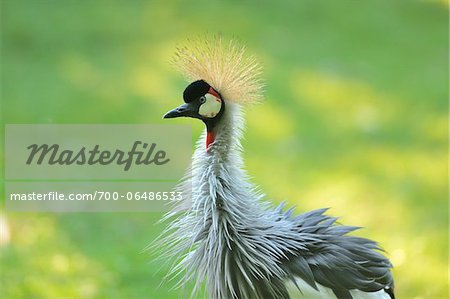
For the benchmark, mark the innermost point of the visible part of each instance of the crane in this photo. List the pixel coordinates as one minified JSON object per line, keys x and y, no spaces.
{"x":224,"y":235}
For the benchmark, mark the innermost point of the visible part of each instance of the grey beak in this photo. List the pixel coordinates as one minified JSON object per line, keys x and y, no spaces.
{"x":185,"y":110}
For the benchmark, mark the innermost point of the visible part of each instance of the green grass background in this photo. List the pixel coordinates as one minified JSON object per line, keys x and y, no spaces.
{"x":355,"y":118}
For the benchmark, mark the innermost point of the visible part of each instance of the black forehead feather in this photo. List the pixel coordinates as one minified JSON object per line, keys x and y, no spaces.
{"x":195,"y":90}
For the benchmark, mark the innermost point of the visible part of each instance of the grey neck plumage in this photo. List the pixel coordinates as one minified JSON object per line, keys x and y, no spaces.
{"x":218,"y":223}
{"x":219,"y":180}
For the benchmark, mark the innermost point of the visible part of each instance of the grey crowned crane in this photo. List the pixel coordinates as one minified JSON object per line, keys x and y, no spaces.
{"x":224,"y":235}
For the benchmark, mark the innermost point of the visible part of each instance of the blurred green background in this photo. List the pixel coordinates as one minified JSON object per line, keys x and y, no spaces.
{"x":355,"y":118}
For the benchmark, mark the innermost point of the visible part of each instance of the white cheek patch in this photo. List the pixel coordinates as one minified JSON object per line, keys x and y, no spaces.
{"x":211,"y":107}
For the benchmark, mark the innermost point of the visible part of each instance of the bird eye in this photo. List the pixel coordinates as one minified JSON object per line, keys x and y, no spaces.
{"x":202,"y":100}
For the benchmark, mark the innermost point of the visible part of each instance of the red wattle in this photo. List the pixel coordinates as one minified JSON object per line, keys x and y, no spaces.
{"x":210,"y":136}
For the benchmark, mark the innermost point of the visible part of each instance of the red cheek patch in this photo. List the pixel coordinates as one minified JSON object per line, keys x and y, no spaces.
{"x":213,"y":92}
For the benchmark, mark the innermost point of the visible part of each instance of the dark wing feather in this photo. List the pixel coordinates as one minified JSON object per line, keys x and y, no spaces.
{"x":332,"y":258}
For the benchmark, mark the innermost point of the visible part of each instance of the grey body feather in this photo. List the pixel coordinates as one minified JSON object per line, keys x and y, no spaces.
{"x":224,"y":235}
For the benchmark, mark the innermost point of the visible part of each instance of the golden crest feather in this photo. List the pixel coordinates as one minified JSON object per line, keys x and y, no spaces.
{"x":224,"y":65}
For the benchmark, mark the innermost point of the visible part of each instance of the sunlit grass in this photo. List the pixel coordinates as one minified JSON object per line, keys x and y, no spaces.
{"x":355,"y":119}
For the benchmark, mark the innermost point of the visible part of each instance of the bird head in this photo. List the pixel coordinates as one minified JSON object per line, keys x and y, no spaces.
{"x":202,"y":101}
{"x":218,"y":70}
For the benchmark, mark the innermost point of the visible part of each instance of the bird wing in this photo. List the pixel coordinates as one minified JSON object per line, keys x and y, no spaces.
{"x":333,"y":259}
